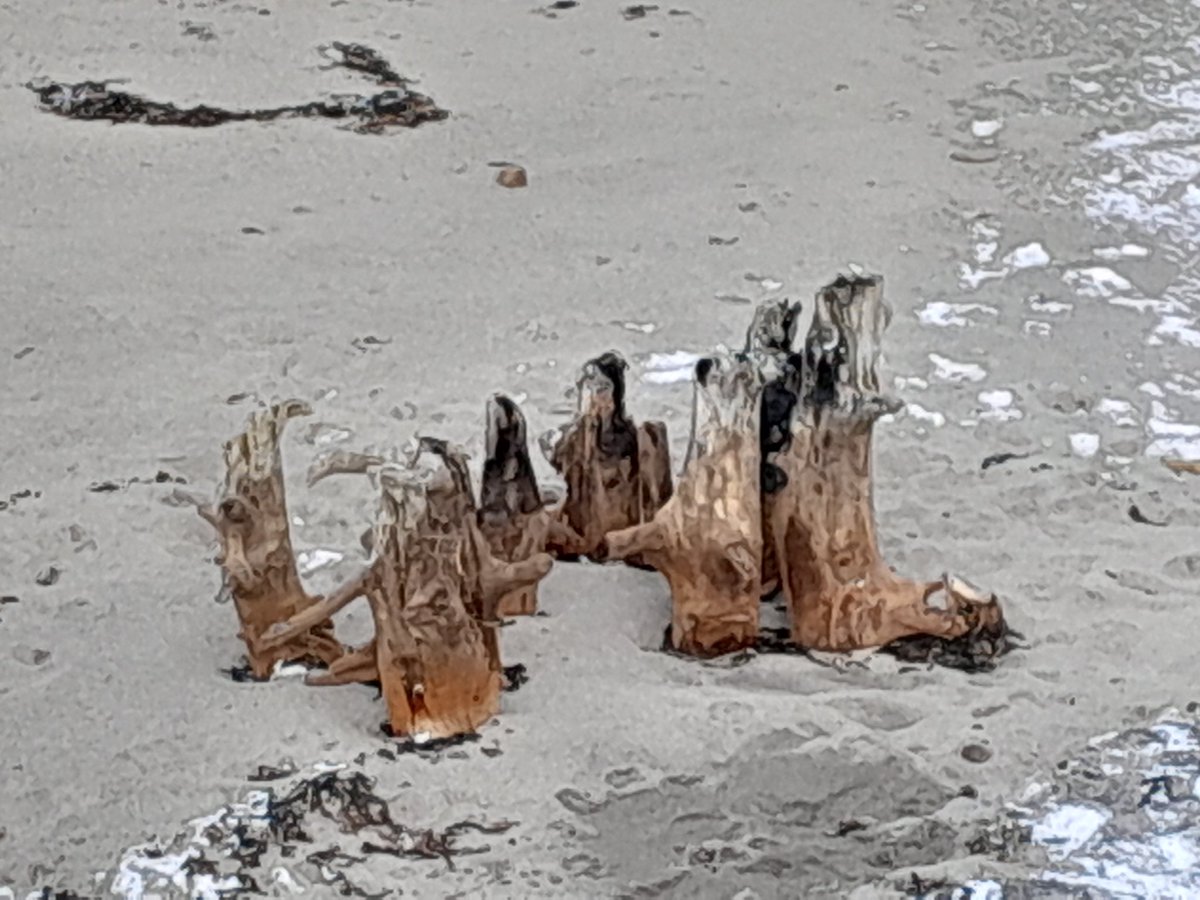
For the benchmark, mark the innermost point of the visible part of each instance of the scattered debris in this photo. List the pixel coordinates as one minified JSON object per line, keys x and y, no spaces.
{"x":30,"y":656}
{"x":638,"y":11}
{"x":9,"y":598}
{"x":23,"y":352}
{"x":272,"y":773}
{"x":512,"y":177}
{"x":999,"y":459}
{"x":47,"y":576}
{"x":977,"y":157}
{"x":160,"y":477}
{"x":718,"y":241}
{"x":15,"y":498}
{"x":514,"y":677}
{"x":368,"y":341}
{"x":1138,"y":516}
{"x":198,"y":30}
{"x":550,"y":11}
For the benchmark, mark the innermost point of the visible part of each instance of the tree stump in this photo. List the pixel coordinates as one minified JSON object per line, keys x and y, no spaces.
{"x":434,"y":589}
{"x":707,"y":539}
{"x":512,"y":515}
{"x":769,"y":342}
{"x":259,"y":567}
{"x":820,"y":518}
{"x":615,"y":471}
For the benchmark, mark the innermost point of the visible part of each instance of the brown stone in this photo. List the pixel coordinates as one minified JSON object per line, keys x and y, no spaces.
{"x":512,"y":177}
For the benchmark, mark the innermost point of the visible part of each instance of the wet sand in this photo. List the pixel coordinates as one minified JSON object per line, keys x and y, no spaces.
{"x":1025,"y":187}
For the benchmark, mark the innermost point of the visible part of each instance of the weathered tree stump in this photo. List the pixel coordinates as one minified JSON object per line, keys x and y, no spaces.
{"x":615,"y":471}
{"x":512,"y":515}
{"x":707,"y":539}
{"x":769,"y":342}
{"x":434,"y":589}
{"x":820,"y":518}
{"x":251,"y":520}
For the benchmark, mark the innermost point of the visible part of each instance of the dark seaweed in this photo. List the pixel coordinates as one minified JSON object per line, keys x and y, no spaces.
{"x":394,"y":106}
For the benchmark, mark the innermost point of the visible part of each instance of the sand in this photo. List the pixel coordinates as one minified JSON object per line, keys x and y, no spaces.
{"x":906,"y":139}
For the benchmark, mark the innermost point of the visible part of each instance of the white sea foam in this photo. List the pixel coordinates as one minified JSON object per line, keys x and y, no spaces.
{"x":1085,"y":444}
{"x":1068,"y":828}
{"x":998,"y":406}
{"x":942,"y":314}
{"x":1096,"y":281}
{"x":1121,"y":412}
{"x":948,"y":370}
{"x":670,"y":368}
{"x":917,"y":411}
{"x":1034,"y":328}
{"x":1028,"y":256}
{"x":986,"y":128}
{"x":311,"y":560}
{"x":1040,"y":304}
{"x":1125,"y":251}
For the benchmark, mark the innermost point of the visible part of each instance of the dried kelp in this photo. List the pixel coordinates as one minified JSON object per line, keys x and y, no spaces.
{"x":394,"y":106}
{"x":249,"y":846}
{"x":979,"y":650}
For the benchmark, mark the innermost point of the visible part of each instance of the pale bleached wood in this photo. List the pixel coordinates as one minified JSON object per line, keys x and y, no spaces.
{"x":259,"y":566}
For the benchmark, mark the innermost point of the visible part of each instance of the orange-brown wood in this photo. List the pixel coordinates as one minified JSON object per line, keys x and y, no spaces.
{"x":259,"y":567}
{"x":434,"y":589}
{"x":617,"y":473}
{"x":707,"y":539}
{"x":820,"y":518}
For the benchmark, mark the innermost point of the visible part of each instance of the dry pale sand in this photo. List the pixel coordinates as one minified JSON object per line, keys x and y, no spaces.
{"x":818,"y":134}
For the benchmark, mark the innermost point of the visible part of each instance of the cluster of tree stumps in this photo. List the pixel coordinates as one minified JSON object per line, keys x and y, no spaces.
{"x":775,"y":497}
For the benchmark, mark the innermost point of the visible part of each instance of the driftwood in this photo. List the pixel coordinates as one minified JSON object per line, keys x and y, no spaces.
{"x":617,"y":473}
{"x":707,"y":539}
{"x":251,"y":520}
{"x":769,"y":341}
{"x":434,"y":589}
{"x":512,"y":515}
{"x":840,"y":593}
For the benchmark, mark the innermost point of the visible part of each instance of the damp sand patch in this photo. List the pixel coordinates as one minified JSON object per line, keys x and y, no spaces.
{"x":395,"y":106}
{"x":1120,"y":819}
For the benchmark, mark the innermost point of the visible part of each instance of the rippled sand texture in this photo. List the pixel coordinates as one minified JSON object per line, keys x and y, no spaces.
{"x":1021,"y":173}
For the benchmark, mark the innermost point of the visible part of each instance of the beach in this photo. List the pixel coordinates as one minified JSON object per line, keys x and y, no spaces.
{"x":1021,"y":175}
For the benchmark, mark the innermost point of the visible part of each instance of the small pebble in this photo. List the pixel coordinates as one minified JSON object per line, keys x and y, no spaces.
{"x":47,"y":576}
{"x":976,"y":753}
{"x":512,"y":177}
{"x":30,"y":656}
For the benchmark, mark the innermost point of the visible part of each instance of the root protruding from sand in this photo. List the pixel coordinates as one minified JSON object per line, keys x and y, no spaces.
{"x":512,"y":515}
{"x":707,"y":539}
{"x":435,"y":590}
{"x":259,"y":567}
{"x":840,"y":593}
{"x":618,"y":474}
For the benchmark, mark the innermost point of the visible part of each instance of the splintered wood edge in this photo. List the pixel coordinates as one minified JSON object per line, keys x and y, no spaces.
{"x":852,"y":310}
{"x":255,"y":452}
{"x":402,"y":502}
{"x":773,"y":327}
